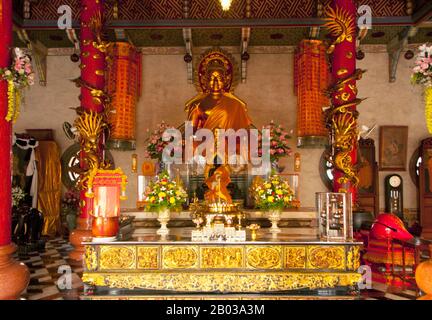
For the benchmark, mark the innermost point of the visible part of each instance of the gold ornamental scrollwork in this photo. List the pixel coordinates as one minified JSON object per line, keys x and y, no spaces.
{"x":176,"y":257}
{"x":222,"y":281}
{"x":264,"y":257}
{"x":295,"y":257}
{"x":353,"y":258}
{"x":90,"y":258}
{"x":221,"y":257}
{"x":147,"y":257}
{"x":117,"y":257}
{"x":326,"y":257}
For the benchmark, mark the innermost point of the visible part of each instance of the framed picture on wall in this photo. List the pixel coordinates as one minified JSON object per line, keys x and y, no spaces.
{"x":393,"y":145}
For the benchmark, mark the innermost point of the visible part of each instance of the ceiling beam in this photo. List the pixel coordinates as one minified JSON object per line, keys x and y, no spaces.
{"x":315,"y":30}
{"x":187,"y":38}
{"x":244,"y":43}
{"x":207,"y":23}
{"x":423,"y":14}
{"x":395,"y":47}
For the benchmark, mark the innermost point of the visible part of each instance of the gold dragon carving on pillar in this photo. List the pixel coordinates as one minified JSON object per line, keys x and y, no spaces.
{"x":341,"y":119}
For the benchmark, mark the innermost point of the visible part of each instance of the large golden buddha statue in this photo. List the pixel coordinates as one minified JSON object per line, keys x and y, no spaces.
{"x":216,"y":107}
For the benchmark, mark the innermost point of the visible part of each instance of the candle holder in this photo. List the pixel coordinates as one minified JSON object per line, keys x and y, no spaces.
{"x":105,"y":190}
{"x":254,"y":228}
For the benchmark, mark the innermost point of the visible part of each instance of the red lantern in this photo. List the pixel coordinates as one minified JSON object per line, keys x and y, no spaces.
{"x":106,"y":188}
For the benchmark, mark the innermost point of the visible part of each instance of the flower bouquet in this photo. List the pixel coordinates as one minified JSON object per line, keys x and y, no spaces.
{"x":279,"y":147}
{"x":155,"y":144}
{"x":162,"y":196}
{"x":422,"y":74}
{"x":19,"y":76}
{"x":18,"y":194}
{"x":273,"y":195}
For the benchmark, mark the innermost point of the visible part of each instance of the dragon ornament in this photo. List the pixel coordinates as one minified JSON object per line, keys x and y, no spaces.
{"x":341,"y":25}
{"x":341,"y":117}
{"x":90,"y":126}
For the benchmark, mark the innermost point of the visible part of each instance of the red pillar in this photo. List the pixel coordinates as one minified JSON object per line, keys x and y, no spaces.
{"x":92,"y":77}
{"x":14,"y":276}
{"x":345,"y":93}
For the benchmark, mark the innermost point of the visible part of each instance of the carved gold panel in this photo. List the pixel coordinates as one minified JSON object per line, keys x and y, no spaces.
{"x":179,"y":257}
{"x":117,"y":257}
{"x":295,"y":257}
{"x":90,"y":258}
{"x":326,"y":257}
{"x":147,"y":257}
{"x":264,"y":257}
{"x":222,"y":281}
{"x":221,"y":257}
{"x":353,"y":258}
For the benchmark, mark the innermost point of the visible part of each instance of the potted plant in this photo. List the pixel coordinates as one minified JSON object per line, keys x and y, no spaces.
{"x":273,"y":195}
{"x":69,"y":208}
{"x":162,"y":196}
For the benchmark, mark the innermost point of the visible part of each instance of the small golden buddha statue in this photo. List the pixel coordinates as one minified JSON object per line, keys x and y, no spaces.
{"x":217,"y":180}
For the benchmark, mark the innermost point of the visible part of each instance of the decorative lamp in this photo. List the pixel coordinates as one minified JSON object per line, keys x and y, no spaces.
{"x":124,"y":88}
{"x":106,"y":188}
{"x":311,"y":79}
{"x":334,"y":216}
{"x":226,"y":4}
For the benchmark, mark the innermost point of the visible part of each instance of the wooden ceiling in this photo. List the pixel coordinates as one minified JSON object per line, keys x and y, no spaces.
{"x":272,"y":22}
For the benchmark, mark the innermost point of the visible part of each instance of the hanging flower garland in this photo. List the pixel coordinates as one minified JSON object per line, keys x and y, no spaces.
{"x":18,"y":76}
{"x":422,"y":74}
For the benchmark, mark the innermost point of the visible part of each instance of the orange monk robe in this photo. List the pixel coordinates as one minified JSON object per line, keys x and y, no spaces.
{"x":217,"y":184}
{"x":229,"y":112}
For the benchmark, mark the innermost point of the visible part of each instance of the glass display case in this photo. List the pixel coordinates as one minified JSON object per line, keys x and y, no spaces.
{"x":334,"y":216}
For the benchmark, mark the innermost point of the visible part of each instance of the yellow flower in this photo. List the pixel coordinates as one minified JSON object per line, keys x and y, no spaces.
{"x":278,"y":191}
{"x":270,"y":198}
{"x":286,"y":199}
{"x":260,"y":192}
{"x":172,"y":200}
{"x":268,"y":185}
{"x":152,"y":199}
{"x":275,"y":182}
{"x":161,"y":194}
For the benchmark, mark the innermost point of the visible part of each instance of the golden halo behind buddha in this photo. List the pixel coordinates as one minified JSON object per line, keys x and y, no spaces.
{"x":216,"y":59}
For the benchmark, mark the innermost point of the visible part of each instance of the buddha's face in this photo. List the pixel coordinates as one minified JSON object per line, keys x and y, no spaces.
{"x":216,"y":81}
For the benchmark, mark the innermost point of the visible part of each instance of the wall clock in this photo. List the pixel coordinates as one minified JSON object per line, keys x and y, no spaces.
{"x":393,"y":195}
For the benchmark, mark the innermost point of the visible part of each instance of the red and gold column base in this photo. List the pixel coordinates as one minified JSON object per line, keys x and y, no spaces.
{"x":14,"y":275}
{"x":83,"y":232}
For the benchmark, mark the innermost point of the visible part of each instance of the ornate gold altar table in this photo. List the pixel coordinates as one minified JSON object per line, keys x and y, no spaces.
{"x":178,"y":266}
